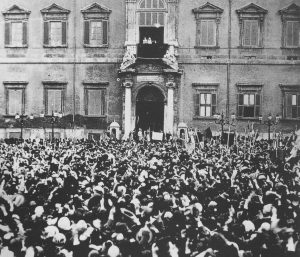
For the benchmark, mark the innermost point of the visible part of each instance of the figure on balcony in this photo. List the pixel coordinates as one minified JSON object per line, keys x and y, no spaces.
{"x":128,"y":59}
{"x":170,"y":59}
{"x":149,"y":41}
{"x":145,"y":41}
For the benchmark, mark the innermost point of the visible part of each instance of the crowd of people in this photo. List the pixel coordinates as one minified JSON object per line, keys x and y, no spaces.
{"x":112,"y":198}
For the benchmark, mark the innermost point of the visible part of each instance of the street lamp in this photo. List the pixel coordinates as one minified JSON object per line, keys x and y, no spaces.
{"x":21,"y":118}
{"x":270,"y":121}
{"x":55,"y":116}
{"x":223,"y":120}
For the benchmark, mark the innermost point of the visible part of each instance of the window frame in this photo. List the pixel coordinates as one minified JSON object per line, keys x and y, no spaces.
{"x":290,"y":89}
{"x":95,"y":13}
{"x":207,"y":12}
{"x":14,"y":85}
{"x":12,"y":15}
{"x":251,"y":12}
{"x":54,"y":85}
{"x":253,"y":88}
{"x":289,"y":14}
{"x":55,"y":13}
{"x":101,"y":85}
{"x":204,"y":88}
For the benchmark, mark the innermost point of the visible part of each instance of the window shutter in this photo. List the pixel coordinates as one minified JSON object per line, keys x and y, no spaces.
{"x":64,"y":33}
{"x":254,"y":33}
{"x":103,"y":102}
{"x":24,"y":33}
{"x":240,"y":104}
{"x":288,"y":105}
{"x":86,"y":39}
{"x":296,"y":33}
{"x":204,"y":36}
{"x":105,"y":32}
{"x":289,"y":33}
{"x":7,"y":33}
{"x":196,"y":104}
{"x":46,"y":33}
{"x":247,"y":33}
{"x":210,"y":33}
{"x":257,"y":104}
{"x":213,"y":103}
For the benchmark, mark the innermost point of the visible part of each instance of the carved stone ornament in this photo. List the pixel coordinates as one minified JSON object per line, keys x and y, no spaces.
{"x":170,"y":59}
{"x":128,"y":59}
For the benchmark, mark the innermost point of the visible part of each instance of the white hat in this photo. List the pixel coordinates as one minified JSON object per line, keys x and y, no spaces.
{"x":264,"y":227}
{"x":39,"y":211}
{"x":51,"y":231}
{"x":113,"y":251}
{"x":249,"y":226}
{"x":64,"y":223}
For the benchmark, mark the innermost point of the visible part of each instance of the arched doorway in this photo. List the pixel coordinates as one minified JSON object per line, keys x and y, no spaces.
{"x":150,"y":109}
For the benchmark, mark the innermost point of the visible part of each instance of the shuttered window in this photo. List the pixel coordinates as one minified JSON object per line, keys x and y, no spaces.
{"x":95,"y":32}
{"x":292,"y":33}
{"x":250,"y":33}
{"x":15,"y":101}
{"x":16,"y":34}
{"x":207,"y":33}
{"x":249,"y":104}
{"x":205,"y":104}
{"x":55,"y":33}
{"x":54,"y":100}
{"x":95,"y":102}
{"x":292,"y":105}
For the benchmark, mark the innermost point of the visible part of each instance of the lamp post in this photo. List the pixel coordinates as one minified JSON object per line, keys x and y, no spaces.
{"x":223,"y":120}
{"x":21,"y":118}
{"x":270,"y":121}
{"x":55,"y":116}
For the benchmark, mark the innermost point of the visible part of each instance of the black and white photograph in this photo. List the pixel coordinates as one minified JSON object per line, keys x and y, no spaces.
{"x":149,"y":128}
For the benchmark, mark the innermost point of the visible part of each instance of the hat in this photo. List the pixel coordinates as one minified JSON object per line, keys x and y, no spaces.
{"x":144,"y":235}
{"x":50,"y":231}
{"x":81,"y":226}
{"x":64,"y":223}
{"x":59,"y":239}
{"x":249,"y":226}
{"x":113,"y":251}
{"x":19,"y":200}
{"x":264,"y":227}
{"x":39,"y":211}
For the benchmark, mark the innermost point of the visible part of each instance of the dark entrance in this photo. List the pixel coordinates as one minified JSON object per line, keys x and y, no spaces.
{"x":150,"y":109}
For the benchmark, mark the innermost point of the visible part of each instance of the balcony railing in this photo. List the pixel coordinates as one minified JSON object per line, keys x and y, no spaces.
{"x":151,"y":50}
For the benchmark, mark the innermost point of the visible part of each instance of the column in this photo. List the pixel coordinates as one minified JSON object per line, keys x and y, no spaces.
{"x":127,"y":111}
{"x":170,"y":107}
{"x":165,"y":117}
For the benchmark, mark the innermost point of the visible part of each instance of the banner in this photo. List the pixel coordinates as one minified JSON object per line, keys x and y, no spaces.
{"x":157,"y":136}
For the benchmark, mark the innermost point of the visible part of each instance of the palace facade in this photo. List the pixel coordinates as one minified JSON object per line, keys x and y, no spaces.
{"x":77,"y":66}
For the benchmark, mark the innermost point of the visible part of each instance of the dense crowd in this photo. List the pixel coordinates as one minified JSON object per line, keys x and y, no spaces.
{"x":133,"y":199}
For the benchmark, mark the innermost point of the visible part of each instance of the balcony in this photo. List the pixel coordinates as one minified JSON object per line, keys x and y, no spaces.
{"x":151,"y":51}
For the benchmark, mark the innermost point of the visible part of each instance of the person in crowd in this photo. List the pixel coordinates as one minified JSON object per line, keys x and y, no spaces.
{"x":112,"y":198}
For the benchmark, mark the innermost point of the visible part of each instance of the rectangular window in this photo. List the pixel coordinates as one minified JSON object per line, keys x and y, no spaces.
{"x":54,"y":100}
{"x":250,"y":33}
{"x":95,"y":32}
{"x":95,"y":102}
{"x":249,"y":104}
{"x":205,"y":104}
{"x":55,"y":33}
{"x":15,"y":101}
{"x":151,"y":18}
{"x":292,"y":33}
{"x":207,"y":33}
{"x":292,"y":105}
{"x":16,"y":34}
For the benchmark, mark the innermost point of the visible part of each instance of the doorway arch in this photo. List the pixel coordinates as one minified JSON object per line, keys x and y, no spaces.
{"x":150,"y":109}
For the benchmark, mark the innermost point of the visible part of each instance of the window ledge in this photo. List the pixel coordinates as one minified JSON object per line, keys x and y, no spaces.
{"x":250,"y":47}
{"x":247,"y":118}
{"x":207,"y":47}
{"x":290,"y":47}
{"x":98,"y":46}
{"x":95,"y":116}
{"x":203,"y":118}
{"x":12,"y":46}
{"x":49,"y":46}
